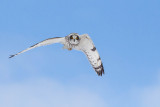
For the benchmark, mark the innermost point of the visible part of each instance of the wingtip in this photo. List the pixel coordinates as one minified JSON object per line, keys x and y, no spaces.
{"x":101,"y":71}
{"x":11,"y":56}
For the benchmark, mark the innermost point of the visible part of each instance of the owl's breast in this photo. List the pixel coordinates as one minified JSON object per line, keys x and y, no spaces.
{"x":76,"y":47}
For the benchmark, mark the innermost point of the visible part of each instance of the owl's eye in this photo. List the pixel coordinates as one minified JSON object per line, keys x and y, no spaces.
{"x":77,"y":37}
{"x":71,"y":37}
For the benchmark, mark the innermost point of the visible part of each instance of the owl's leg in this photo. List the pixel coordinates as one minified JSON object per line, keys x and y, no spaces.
{"x":69,"y":49}
{"x":64,"y":47}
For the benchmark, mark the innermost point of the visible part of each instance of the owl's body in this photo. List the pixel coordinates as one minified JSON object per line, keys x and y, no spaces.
{"x":78,"y":42}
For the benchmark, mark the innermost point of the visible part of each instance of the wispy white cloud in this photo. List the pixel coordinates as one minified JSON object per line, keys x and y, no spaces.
{"x":151,"y":95}
{"x":47,"y":93}
{"x":148,"y":96}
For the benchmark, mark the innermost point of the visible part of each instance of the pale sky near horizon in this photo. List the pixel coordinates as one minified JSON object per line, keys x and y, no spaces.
{"x":126,"y":34}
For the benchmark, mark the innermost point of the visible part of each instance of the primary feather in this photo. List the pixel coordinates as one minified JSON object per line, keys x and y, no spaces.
{"x":91,"y":52}
{"x":42,"y":43}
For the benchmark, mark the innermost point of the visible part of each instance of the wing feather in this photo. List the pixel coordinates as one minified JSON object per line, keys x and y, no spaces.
{"x":43,"y":43}
{"x":87,"y":46}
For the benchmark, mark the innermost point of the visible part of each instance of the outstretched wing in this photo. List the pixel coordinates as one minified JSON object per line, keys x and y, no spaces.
{"x":43,"y":43}
{"x":87,"y":46}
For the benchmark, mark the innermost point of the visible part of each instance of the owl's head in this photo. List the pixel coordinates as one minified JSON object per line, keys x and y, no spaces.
{"x":74,"y":38}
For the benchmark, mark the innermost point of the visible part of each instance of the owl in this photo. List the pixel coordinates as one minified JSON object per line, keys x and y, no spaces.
{"x":78,"y":42}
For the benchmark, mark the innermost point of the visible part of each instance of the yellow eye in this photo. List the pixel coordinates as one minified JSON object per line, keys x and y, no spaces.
{"x":71,"y":37}
{"x":77,"y":38}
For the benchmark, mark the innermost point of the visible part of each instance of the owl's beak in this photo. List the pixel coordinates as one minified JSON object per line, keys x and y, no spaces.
{"x":74,"y":40}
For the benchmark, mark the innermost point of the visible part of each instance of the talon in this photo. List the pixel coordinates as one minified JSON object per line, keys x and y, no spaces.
{"x":69,"y":49}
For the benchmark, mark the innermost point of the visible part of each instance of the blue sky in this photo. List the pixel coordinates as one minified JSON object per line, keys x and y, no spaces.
{"x":126,"y":34}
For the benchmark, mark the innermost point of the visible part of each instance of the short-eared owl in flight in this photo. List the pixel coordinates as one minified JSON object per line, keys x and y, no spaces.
{"x":77,"y":42}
